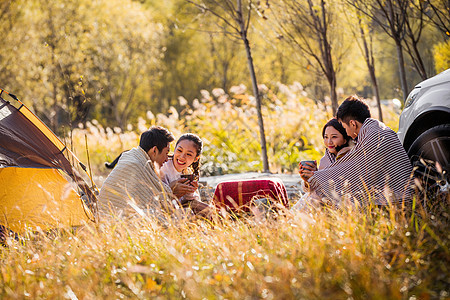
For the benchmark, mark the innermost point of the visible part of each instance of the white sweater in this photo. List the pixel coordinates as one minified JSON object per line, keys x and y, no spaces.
{"x":169,"y":174}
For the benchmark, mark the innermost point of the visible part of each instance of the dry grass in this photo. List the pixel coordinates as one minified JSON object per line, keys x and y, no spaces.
{"x":319,"y":253}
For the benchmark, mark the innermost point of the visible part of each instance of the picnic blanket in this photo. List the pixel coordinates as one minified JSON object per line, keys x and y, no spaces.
{"x":134,"y":185}
{"x":377,"y":169}
{"x":237,"y":195}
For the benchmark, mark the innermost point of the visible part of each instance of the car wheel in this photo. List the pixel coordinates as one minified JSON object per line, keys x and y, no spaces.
{"x":430,"y":156}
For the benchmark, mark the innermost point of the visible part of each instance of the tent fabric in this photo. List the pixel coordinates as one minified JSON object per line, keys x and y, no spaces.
{"x":32,"y":160}
{"x":24,"y":144}
{"x":32,"y":198}
{"x":27,"y":142}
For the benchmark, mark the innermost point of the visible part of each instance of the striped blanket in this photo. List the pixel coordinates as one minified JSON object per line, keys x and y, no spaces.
{"x":376,"y":170}
{"x":328,"y":159}
{"x":134,"y":187}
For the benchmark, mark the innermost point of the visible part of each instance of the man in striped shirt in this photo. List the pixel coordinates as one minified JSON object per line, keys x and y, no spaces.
{"x":376,"y":171}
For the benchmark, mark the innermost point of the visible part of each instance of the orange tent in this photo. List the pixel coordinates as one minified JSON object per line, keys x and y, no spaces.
{"x":40,"y":185}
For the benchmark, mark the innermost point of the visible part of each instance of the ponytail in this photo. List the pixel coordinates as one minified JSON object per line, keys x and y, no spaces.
{"x":112,"y":164}
{"x":196,"y":169}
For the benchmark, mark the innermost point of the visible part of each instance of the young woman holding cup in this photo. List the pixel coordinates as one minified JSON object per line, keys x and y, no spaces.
{"x":337,"y":144}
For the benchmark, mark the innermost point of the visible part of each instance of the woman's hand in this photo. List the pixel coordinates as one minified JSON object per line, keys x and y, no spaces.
{"x":182,"y":187}
{"x":194,"y":183}
{"x":307,"y":171}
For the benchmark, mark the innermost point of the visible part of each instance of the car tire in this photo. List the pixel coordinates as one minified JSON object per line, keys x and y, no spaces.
{"x":430,"y":147}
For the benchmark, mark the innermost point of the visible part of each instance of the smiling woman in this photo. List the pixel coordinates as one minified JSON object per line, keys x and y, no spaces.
{"x":334,"y":136}
{"x":185,"y":160}
{"x":337,"y":144}
{"x":185,"y":155}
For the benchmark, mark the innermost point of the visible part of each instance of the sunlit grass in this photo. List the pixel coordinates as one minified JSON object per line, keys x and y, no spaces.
{"x":228,"y":126}
{"x":319,"y":253}
{"x":316,"y":254}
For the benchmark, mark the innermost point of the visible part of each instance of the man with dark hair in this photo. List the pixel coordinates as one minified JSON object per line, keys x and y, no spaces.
{"x":158,"y":137}
{"x":376,"y":170}
{"x":134,"y":185}
{"x":352,"y":114}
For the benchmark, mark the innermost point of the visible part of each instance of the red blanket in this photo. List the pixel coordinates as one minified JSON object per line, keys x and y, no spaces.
{"x":237,"y":195}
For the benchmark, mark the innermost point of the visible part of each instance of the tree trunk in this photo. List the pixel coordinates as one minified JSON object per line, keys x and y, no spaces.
{"x":258,"y":108}
{"x":327,"y":57}
{"x":414,"y":37}
{"x":375,"y":90}
{"x":418,"y":61}
{"x":255,"y":89}
{"x":333,"y":94}
{"x":331,"y":75}
{"x":368,"y":56}
{"x":397,"y":31}
{"x":401,"y":69}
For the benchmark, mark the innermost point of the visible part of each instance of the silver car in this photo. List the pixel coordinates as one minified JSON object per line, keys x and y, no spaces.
{"x":424,"y":129}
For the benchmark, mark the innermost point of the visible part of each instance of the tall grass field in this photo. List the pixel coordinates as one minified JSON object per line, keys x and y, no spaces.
{"x":316,"y":253}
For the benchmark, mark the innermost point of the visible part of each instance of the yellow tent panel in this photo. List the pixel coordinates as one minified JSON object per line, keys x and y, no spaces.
{"x":32,"y":198}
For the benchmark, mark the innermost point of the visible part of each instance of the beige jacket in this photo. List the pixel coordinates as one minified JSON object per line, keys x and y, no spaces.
{"x":134,"y":188}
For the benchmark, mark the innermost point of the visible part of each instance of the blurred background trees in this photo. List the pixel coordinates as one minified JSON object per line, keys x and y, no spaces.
{"x":113,"y":60}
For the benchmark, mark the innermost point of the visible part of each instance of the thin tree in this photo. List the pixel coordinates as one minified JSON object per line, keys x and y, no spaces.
{"x":307,"y":26}
{"x":363,"y":35}
{"x":237,"y":17}
{"x":438,"y":11}
{"x":415,"y":23}
{"x":390,"y":16}
{"x":370,"y":62}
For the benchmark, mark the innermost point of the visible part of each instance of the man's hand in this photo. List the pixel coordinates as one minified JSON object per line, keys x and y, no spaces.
{"x":182,"y":187}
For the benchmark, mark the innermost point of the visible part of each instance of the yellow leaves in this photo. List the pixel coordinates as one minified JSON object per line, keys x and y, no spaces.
{"x":442,"y":55}
{"x":6,"y":276}
{"x":243,"y":97}
{"x":149,"y":283}
{"x":152,"y":285}
{"x":220,"y":279}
